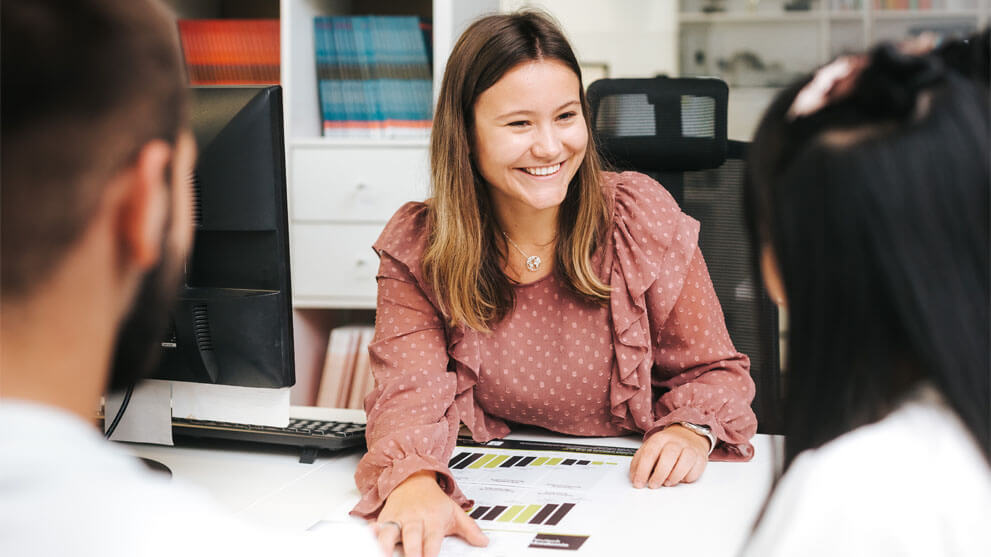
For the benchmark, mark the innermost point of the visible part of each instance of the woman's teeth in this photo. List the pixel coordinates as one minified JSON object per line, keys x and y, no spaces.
{"x":543,"y":170}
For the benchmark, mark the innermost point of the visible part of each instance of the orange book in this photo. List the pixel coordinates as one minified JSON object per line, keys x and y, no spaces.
{"x":231,"y":51}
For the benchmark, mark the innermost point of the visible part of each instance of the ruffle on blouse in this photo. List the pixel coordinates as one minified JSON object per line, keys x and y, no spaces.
{"x":650,"y":234}
{"x":404,"y":239}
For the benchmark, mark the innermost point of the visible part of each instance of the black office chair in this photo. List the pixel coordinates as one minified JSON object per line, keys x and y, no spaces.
{"x":674,"y":130}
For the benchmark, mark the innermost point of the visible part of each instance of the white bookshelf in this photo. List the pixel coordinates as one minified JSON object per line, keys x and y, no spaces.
{"x":757,"y":46}
{"x":342,"y":191}
{"x":803,"y":39}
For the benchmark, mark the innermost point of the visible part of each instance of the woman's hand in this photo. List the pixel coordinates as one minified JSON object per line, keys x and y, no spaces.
{"x":419,"y":514}
{"x":671,"y":456}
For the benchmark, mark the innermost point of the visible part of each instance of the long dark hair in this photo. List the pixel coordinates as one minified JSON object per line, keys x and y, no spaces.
{"x":462,"y":260}
{"x":877,"y":209}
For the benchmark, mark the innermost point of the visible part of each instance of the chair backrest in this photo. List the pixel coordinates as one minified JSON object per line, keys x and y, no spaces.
{"x":674,"y":130}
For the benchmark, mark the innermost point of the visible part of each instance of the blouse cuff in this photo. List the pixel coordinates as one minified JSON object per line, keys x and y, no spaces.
{"x":732,"y":444}
{"x":375,"y":492}
{"x":686,"y":414}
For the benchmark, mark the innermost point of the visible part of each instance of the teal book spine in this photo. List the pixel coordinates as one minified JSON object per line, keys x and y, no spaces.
{"x":328,"y":77}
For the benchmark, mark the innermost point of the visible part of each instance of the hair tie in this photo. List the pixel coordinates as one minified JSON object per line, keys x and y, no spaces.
{"x":831,"y":82}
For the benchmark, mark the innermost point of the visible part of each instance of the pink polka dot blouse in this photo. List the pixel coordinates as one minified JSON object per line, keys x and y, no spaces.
{"x":657,"y":354}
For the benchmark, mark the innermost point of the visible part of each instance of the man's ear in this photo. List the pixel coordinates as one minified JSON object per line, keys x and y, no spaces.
{"x":144,"y":205}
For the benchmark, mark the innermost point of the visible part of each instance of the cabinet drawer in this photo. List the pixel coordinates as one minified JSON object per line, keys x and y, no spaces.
{"x":334,"y":264}
{"x":356,"y":184}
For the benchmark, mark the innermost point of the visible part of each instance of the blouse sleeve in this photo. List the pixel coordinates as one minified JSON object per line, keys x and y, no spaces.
{"x":702,"y":378}
{"x":412,"y":422}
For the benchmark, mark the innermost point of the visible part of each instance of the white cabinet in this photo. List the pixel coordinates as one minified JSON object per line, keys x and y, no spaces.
{"x":351,"y":182}
{"x":334,"y":264}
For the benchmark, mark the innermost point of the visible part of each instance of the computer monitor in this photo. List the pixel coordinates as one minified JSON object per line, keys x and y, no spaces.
{"x":232,"y":324}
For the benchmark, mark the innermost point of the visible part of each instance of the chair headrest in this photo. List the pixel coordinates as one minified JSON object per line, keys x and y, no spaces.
{"x":661,"y":123}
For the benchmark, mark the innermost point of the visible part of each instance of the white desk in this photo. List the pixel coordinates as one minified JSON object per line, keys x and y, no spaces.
{"x":269,"y":486}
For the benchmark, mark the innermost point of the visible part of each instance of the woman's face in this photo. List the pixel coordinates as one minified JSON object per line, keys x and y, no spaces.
{"x":530,"y":135}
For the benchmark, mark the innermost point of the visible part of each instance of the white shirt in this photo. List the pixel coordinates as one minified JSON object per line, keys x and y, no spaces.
{"x":913,"y":484}
{"x":64,"y":490}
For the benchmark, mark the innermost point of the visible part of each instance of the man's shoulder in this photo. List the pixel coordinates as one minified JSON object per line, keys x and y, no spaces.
{"x":65,"y":490}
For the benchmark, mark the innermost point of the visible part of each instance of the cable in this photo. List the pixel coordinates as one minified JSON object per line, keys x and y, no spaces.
{"x":120,"y":411}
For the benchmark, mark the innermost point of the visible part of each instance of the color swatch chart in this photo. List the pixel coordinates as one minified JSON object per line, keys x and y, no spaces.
{"x":530,"y":494}
{"x":549,"y":514}
{"x":482,"y":460}
{"x":532,"y":465}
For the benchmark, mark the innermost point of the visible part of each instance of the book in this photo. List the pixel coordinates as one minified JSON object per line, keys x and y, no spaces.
{"x":347,"y":378}
{"x":374,"y":75}
{"x":362,"y":381}
{"x":231,"y":51}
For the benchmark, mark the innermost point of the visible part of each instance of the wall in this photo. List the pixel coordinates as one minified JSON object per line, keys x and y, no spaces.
{"x":635,"y":38}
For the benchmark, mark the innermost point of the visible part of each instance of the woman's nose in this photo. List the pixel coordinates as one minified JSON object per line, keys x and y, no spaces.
{"x":546,"y":144}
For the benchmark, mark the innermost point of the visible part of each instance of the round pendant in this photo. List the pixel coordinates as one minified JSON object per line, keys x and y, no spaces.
{"x":533,"y":263}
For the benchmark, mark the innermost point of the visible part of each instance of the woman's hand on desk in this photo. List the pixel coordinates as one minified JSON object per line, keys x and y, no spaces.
{"x":419,"y":515}
{"x":671,"y":456}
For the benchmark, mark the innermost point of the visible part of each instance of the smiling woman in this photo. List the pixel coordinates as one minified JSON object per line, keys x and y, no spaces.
{"x":535,"y":288}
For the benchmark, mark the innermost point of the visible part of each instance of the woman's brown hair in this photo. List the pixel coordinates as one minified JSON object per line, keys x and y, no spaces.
{"x":462,"y":261}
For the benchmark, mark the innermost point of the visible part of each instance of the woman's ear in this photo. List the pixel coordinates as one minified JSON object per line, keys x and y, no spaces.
{"x":771,"y":272}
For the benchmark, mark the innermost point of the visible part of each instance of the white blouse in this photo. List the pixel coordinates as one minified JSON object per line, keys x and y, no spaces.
{"x":913,"y":484}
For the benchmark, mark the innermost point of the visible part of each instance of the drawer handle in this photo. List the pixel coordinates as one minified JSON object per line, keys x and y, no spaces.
{"x":361,"y":186}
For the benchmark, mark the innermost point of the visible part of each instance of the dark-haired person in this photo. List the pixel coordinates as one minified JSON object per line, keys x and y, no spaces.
{"x":534,"y":288}
{"x":869,"y":189}
{"x":96,"y":218}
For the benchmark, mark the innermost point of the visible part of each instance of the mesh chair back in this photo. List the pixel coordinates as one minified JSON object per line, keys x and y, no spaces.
{"x":674,"y":130}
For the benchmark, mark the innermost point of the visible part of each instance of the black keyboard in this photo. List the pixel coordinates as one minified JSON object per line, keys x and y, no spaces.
{"x":309,"y":435}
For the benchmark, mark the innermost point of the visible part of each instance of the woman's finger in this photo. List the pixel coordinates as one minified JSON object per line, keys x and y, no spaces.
{"x":387,"y":534}
{"x":665,"y":462}
{"x":432,"y":541}
{"x":696,"y":472}
{"x":413,"y":539}
{"x":635,"y":462}
{"x":466,"y":527}
{"x":686,"y":461}
{"x":648,"y":456}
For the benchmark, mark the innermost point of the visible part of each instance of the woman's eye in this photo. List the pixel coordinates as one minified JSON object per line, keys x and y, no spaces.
{"x":567,"y":116}
{"x":518,"y":123}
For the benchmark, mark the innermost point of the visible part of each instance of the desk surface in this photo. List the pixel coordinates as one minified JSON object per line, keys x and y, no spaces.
{"x":269,"y":486}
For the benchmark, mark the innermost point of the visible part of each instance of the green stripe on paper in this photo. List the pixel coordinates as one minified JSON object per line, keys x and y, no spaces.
{"x":481,"y":462}
{"x":497,"y":461}
{"x":510,"y":513}
{"x":527,"y":514}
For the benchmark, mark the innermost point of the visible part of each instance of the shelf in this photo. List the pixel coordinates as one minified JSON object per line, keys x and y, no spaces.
{"x":333,"y":302}
{"x":816,"y":16}
{"x":925,"y":14}
{"x":846,"y":15}
{"x":755,"y":17}
{"x":332,"y":142}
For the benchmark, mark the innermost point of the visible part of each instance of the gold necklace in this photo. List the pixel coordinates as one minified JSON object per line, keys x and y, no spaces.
{"x":532,"y":261}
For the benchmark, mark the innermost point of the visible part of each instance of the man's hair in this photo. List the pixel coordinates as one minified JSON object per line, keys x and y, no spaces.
{"x":85,"y":85}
